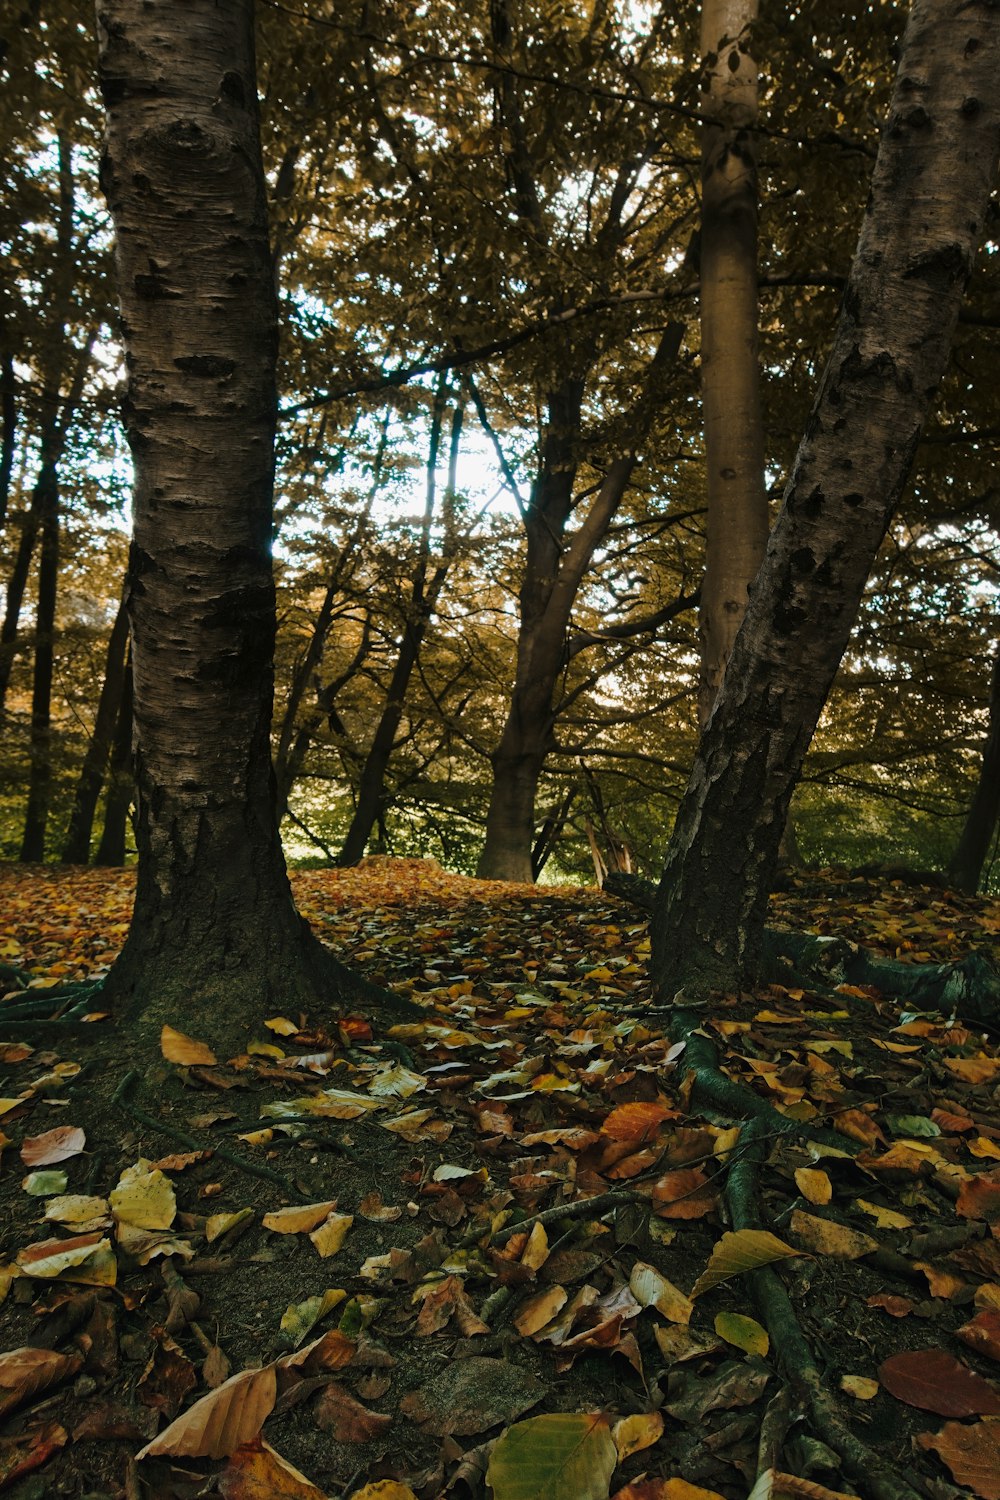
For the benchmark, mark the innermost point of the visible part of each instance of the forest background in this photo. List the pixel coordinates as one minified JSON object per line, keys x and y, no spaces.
{"x":485,"y":231}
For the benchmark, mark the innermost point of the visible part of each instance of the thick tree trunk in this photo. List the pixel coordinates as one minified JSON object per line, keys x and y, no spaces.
{"x":736,"y":523}
{"x":76,"y":848}
{"x":966,"y":865}
{"x":121,"y":781}
{"x":935,"y":172}
{"x":40,"y":781}
{"x":215,"y":936}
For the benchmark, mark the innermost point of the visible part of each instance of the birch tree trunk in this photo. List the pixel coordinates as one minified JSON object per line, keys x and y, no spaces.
{"x":932,"y":182}
{"x":736,"y":524}
{"x":215,"y":935}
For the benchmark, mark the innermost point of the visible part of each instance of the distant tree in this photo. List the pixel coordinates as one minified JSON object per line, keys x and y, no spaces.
{"x":930,"y":191}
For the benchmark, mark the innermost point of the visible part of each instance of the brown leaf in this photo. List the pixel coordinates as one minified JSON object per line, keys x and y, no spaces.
{"x":683,"y":1194}
{"x":895,"y":1306}
{"x":972,"y":1453}
{"x":20,"y":1455}
{"x":983,"y":1333}
{"x":178,"y":1048}
{"x":934,"y":1380}
{"x":26,"y":1372}
{"x":636,"y":1122}
{"x":222,"y":1421}
{"x":979,"y":1197}
{"x":350,"y":1422}
{"x":168,"y":1376}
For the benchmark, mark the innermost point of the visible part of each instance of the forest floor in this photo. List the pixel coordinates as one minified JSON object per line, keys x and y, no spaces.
{"x":489,"y":1252}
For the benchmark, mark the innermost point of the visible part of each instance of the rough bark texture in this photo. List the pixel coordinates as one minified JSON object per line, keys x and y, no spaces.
{"x":966,"y":866}
{"x":935,"y":171}
{"x":736,"y":524}
{"x":76,"y":848}
{"x":215,"y":935}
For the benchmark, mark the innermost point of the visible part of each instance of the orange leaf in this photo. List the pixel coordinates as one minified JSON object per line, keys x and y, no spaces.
{"x":983,"y":1333}
{"x":684,"y":1194}
{"x":895,"y":1306}
{"x":256,"y":1472}
{"x":178,"y":1048}
{"x":979,"y":1198}
{"x":859,"y":1126}
{"x":973,"y":1069}
{"x":636,"y":1122}
{"x":972,"y":1453}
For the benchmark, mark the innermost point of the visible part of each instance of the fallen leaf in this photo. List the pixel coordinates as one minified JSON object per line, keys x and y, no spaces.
{"x":299,"y":1219}
{"x":824,"y":1237}
{"x":861,"y":1387}
{"x":553,"y":1457}
{"x":539,"y":1310}
{"x":53,"y":1145}
{"x":256,"y":1472}
{"x":814,"y":1185}
{"x":331,"y":1234}
{"x":338,"y":1412}
{"x":143,"y":1198}
{"x":971,"y":1452}
{"x":26,"y":1372}
{"x":979,"y":1198}
{"x":224,"y":1420}
{"x":634,"y":1123}
{"x":19,"y":1455}
{"x":684,"y":1194}
{"x":178,"y":1048}
{"x":651,"y":1289}
{"x":471,"y":1395}
{"x":983,"y":1333}
{"x":737,"y":1251}
{"x":745,"y":1333}
{"x":633,"y":1434}
{"x":934,"y":1380}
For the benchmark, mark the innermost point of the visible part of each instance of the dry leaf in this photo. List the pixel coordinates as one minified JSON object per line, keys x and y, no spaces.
{"x":222,"y":1421}
{"x":814,"y":1185}
{"x":737,"y":1251}
{"x":934,"y":1380}
{"x":633,"y":1434}
{"x":26,"y":1372}
{"x":178,"y":1048}
{"x":972,"y":1453}
{"x":53,"y":1145}
{"x":539,"y":1310}
{"x":823,"y":1237}
{"x":256,"y":1472}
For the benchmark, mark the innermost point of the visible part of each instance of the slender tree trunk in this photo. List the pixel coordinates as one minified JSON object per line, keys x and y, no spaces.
{"x":736,"y":525}
{"x":555,"y":567}
{"x":420,"y":607}
{"x":215,"y":936}
{"x":930,"y":191}
{"x":8,"y":430}
{"x":40,"y":781}
{"x":76,"y":848}
{"x":17,"y":583}
{"x":121,"y":781}
{"x":966,"y":866}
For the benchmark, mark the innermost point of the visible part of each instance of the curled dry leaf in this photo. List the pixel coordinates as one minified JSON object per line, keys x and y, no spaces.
{"x":222,"y":1421}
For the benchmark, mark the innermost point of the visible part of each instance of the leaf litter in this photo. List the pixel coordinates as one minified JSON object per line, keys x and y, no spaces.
{"x":525,"y":1275}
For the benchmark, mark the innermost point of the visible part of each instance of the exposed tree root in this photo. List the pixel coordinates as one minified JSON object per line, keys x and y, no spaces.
{"x":120,"y":1097}
{"x":722,"y":1094}
{"x":969,"y":987}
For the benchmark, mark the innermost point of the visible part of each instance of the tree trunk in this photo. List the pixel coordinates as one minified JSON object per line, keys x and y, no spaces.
{"x":966,"y":865}
{"x":76,"y":849}
{"x":930,"y":191}
{"x":8,"y":429}
{"x":736,"y":524}
{"x":424,"y":594}
{"x":121,"y":781}
{"x":215,"y":936}
{"x":40,"y":781}
{"x":554,"y":570}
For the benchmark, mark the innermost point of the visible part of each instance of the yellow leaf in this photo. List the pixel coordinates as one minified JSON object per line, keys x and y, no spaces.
{"x":745,"y":1333}
{"x":737,"y":1251}
{"x":331,"y":1234}
{"x":632,"y":1434}
{"x":826,"y":1238}
{"x":987,"y":1295}
{"x":299,"y":1219}
{"x":536,"y":1251}
{"x":216,"y":1225}
{"x":297,"y":1320}
{"x":265,"y":1049}
{"x":885,"y":1218}
{"x":859,"y":1386}
{"x":178,"y":1048}
{"x":553,"y":1457}
{"x":982,"y":1146}
{"x":281,"y":1026}
{"x":143,"y":1198}
{"x":814,"y":1185}
{"x":653,"y":1290}
{"x":80,"y":1210}
{"x":256,"y":1472}
{"x":384,"y":1489}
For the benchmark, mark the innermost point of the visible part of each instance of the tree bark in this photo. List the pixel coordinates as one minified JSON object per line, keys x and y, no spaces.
{"x":8,"y":429}
{"x":76,"y":848}
{"x":935,"y":171}
{"x":736,"y":523}
{"x":40,"y":780}
{"x":966,"y":865}
{"x":215,"y":936}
